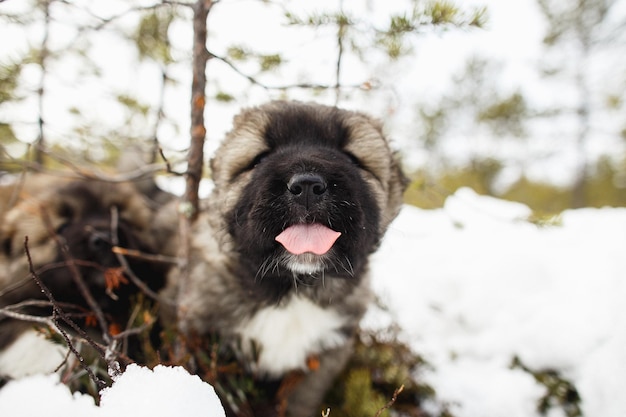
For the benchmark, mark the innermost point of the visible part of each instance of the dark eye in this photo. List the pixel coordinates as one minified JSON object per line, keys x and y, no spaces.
{"x":356,"y":161}
{"x":6,"y":246}
{"x":62,"y":228}
{"x":66,"y":211}
{"x":257,"y":160}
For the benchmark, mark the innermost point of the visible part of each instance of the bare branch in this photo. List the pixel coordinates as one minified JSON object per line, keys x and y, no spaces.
{"x":8,"y":312}
{"x":57,"y":312}
{"x":127,"y":270}
{"x":366,"y":85}
{"x":108,"y":20}
{"x":133,"y":253}
{"x":93,"y":173}
{"x":391,"y":402}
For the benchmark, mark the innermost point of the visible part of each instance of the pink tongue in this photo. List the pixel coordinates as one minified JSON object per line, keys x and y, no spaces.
{"x":301,"y":238}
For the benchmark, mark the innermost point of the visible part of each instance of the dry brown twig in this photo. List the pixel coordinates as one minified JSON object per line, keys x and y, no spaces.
{"x":122,"y":260}
{"x":391,"y":402}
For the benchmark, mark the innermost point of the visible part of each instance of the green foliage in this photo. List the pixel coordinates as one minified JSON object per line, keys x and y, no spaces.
{"x":9,"y":76}
{"x":507,"y":115}
{"x":7,"y":136}
{"x":436,"y":13}
{"x":269,"y":62}
{"x":133,"y":104}
{"x":266,"y":62}
{"x":224,"y":97}
{"x":614,"y":101}
{"x":560,"y":392}
{"x":237,"y":53}
{"x":544,"y":199}
{"x":475,"y":100}
{"x":361,"y":399}
{"x":151,"y":35}
{"x":320,"y":19}
{"x":605,"y":186}
{"x":442,"y":12}
{"x":430,"y":190}
{"x":392,"y":38}
{"x":381,"y":365}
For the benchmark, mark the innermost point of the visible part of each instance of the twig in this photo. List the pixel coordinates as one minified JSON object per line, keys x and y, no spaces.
{"x":122,"y":260}
{"x":134,"y":253}
{"x":391,"y":402}
{"x":106,"y":21}
{"x":11,"y":310}
{"x":145,"y":171}
{"x":26,"y":317}
{"x":133,"y":331}
{"x":168,"y":166}
{"x":57,"y":312}
{"x":307,"y":86}
{"x":78,"y":279}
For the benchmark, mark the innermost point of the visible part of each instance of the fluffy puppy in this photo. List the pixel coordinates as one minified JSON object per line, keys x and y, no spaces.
{"x":86,"y":217}
{"x":303,"y":195}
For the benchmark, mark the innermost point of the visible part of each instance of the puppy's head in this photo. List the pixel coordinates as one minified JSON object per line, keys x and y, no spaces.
{"x":306,"y":189}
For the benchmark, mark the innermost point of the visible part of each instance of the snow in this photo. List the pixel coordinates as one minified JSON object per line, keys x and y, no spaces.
{"x":140,"y":392}
{"x":472,"y":285}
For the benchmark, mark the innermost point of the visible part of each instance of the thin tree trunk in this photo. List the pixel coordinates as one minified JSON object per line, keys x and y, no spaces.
{"x":43,"y":55}
{"x":583,"y":113}
{"x":189,"y":205}
{"x":198,"y":130}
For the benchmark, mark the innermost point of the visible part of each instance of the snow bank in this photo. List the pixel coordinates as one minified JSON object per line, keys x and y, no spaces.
{"x":139,"y":391}
{"x":472,"y":286}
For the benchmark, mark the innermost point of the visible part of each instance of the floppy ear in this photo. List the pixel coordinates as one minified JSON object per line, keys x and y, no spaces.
{"x":240,"y":146}
{"x":397,"y":185}
{"x":374,"y":146}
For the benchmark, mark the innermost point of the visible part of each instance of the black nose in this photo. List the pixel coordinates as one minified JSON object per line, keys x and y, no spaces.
{"x":307,"y":188}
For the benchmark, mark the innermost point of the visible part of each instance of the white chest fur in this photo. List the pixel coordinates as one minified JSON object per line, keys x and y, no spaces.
{"x":286,"y":335}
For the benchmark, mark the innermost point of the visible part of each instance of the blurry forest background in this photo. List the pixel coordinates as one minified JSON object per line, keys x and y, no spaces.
{"x":539,"y":117}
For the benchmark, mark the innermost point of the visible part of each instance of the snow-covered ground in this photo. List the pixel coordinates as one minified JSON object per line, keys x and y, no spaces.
{"x":472,"y":285}
{"x":139,"y":392}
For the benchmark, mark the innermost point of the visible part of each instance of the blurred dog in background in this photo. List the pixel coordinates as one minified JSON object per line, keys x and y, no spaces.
{"x":72,"y":227}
